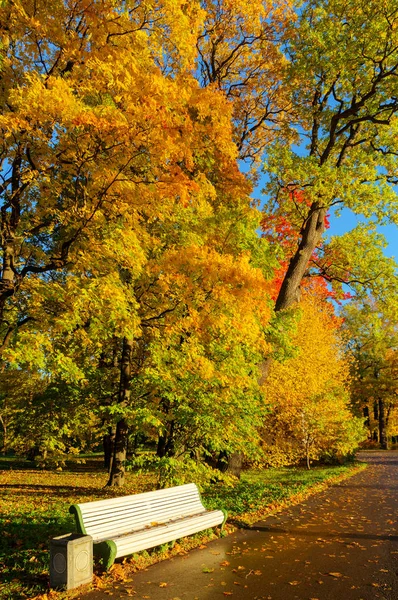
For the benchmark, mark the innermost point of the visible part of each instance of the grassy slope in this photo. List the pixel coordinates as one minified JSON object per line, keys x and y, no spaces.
{"x":34,"y":507}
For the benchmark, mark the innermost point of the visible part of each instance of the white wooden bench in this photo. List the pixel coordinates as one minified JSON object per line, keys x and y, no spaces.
{"x":122,"y":526}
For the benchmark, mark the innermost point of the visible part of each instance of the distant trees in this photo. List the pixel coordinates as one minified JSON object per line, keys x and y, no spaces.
{"x":372,"y":341}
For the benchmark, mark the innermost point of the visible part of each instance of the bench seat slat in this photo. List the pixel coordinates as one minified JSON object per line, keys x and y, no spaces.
{"x":182,"y":509}
{"x":150,"y":502}
{"x":115,"y":527}
{"x":165,"y":533}
{"x":179,"y":491}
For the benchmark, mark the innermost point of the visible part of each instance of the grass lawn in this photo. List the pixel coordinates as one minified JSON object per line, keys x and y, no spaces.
{"x":34,"y":508}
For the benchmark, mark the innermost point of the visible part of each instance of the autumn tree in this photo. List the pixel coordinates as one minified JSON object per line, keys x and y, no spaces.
{"x":310,"y":416}
{"x":240,"y":52}
{"x":343,"y":60}
{"x":77,"y":151}
{"x":201,"y":372}
{"x":115,"y":158}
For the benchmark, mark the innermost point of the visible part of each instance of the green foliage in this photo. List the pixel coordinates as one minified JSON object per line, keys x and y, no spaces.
{"x":171,"y":471}
{"x":45,"y":419}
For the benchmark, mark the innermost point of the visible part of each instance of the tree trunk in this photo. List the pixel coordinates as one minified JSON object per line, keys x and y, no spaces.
{"x":118,"y":466}
{"x":165,"y":445}
{"x":3,"y":447}
{"x":289,"y":293}
{"x":382,"y":426}
{"x":108,"y":442}
{"x":235,"y":464}
{"x":311,"y":234}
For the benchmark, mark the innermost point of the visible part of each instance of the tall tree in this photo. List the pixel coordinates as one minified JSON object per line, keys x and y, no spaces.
{"x":343,"y":61}
{"x":240,"y":52}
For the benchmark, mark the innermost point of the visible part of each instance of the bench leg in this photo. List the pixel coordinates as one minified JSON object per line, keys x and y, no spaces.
{"x":107,"y":552}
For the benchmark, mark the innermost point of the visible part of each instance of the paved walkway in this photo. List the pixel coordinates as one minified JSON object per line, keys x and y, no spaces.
{"x":340,"y":544}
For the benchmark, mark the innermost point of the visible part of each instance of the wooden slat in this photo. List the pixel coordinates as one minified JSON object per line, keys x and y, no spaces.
{"x":182,"y":506}
{"x":179,"y":490}
{"x":113,"y":528}
{"x":162,"y":534}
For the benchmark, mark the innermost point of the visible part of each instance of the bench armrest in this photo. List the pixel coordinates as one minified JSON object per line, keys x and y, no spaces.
{"x":77,"y":513}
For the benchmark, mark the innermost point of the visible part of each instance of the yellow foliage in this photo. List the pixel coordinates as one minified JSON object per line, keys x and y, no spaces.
{"x":308,"y":394}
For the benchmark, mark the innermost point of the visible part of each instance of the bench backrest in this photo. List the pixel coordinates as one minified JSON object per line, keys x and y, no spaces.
{"x":104,"y":519}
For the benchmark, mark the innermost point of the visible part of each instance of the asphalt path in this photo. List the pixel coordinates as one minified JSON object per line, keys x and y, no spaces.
{"x":340,"y":544}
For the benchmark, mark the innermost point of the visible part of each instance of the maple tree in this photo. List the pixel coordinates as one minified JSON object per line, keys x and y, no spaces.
{"x":110,"y":165}
{"x":197,"y":393}
{"x":98,"y":145}
{"x":86,"y":133}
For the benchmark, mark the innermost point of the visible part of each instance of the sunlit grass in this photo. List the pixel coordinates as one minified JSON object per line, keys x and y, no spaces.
{"x":266,"y":489}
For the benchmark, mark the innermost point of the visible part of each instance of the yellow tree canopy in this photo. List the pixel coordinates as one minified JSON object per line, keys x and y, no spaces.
{"x":308,"y":394}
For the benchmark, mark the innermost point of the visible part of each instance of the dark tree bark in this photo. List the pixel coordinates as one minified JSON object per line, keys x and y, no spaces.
{"x":108,"y":442}
{"x":382,"y":425}
{"x":235,"y":464}
{"x":311,"y":234}
{"x":118,"y":466}
{"x":165,"y":445}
